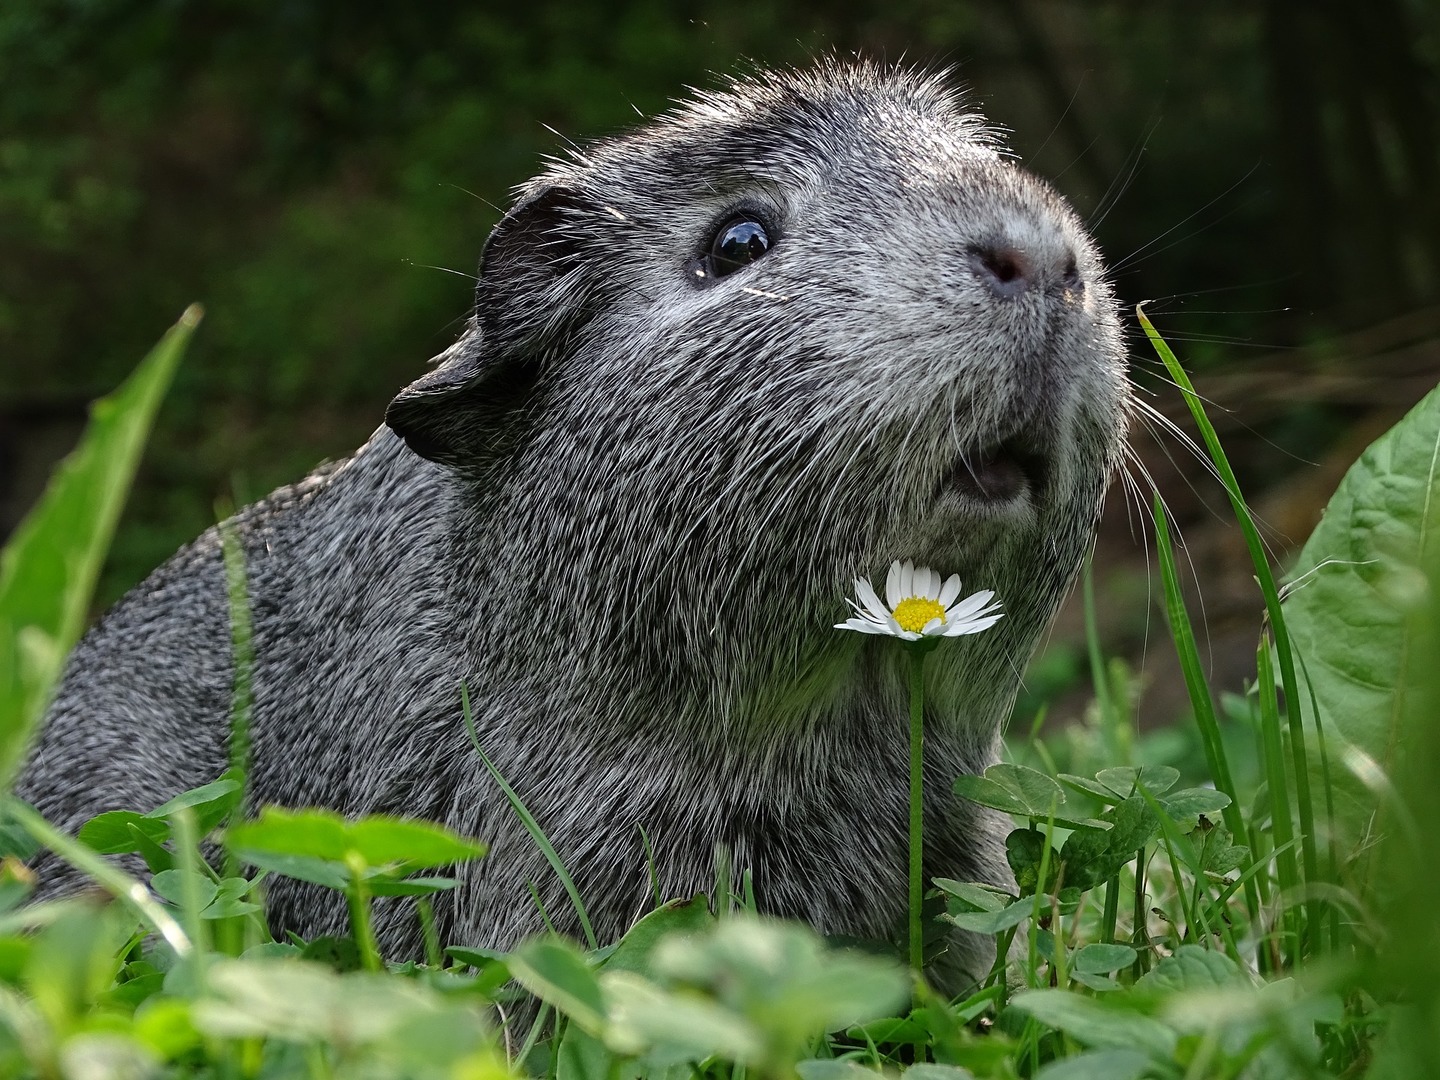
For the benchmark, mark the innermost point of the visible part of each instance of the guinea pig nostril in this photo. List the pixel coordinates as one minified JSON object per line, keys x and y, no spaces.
{"x":1071,"y":273}
{"x":1004,"y":270}
{"x":1003,"y":266}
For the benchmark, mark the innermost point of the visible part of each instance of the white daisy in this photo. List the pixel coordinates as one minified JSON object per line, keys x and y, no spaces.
{"x":918,"y":606}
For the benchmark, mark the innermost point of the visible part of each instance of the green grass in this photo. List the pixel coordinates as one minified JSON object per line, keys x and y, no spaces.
{"x":1177,"y":914}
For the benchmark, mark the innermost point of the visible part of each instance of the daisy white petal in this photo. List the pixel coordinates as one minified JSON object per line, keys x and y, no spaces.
{"x":981,"y":619}
{"x":907,"y":579}
{"x":949,"y":591}
{"x":973,"y":626}
{"x":969,"y":606}
{"x":929,"y":588}
{"x":866,"y":595}
{"x":863,"y":612}
{"x":934,"y":627}
{"x":893,"y":595}
{"x":865,"y":626}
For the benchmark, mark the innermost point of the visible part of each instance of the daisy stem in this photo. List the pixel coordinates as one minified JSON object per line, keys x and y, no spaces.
{"x":917,"y":815}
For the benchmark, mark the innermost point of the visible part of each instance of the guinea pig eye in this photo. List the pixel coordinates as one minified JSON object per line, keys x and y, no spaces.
{"x":738,"y":244}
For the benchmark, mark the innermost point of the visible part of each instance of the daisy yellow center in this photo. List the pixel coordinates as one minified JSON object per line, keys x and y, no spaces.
{"x":914,"y":612}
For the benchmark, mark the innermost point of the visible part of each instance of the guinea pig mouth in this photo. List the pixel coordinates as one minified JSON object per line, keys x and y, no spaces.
{"x":999,"y":474}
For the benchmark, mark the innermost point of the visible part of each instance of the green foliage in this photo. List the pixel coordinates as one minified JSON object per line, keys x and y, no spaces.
{"x":1147,"y":936}
{"x":1014,"y":789}
{"x":382,"y":848}
{"x":48,"y":569}
{"x":1354,"y":591}
{"x":119,"y":832}
{"x":746,"y":990}
{"x":379,"y":1025}
{"x":1298,"y":934}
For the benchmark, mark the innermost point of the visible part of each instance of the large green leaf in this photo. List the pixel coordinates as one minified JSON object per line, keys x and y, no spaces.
{"x":376,"y":841}
{"x":1023,"y":792}
{"x":48,"y":570}
{"x":670,"y":1024}
{"x":782,"y":977}
{"x":1014,"y":789}
{"x":556,"y":971}
{"x":676,"y":917}
{"x":1099,"y":1065}
{"x":1099,"y":958}
{"x":1192,"y":968}
{"x":1356,"y":584}
{"x":1096,"y":1023}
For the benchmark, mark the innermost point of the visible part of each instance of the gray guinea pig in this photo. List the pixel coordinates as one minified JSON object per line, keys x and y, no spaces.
{"x":718,"y":367}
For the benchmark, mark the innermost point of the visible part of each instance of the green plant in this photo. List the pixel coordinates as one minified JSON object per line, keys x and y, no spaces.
{"x":1168,"y":920}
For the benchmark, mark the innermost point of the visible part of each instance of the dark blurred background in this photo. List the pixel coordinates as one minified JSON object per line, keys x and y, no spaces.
{"x":322,"y":175}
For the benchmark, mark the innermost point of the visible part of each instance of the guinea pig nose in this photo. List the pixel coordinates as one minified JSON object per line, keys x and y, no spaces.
{"x":1005,"y":270}
{"x":1008,"y":271}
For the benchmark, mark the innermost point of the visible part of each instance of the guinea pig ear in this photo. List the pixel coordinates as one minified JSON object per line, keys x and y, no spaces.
{"x":464,"y":410}
{"x":534,"y":245}
{"x":455,"y":414}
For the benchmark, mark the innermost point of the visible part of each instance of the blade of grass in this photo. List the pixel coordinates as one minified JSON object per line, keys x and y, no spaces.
{"x":1060,"y":961}
{"x":1179,"y":851}
{"x":357,"y":896}
{"x":650,"y":866}
{"x":1254,"y":871}
{"x":1286,"y":868}
{"x":724,"y":890}
{"x":540,"y":907}
{"x":1261,"y":841}
{"x":1110,"y":722}
{"x":48,"y":570}
{"x":1109,"y":728}
{"x":1112,"y":910}
{"x":1331,"y":854}
{"x":105,"y":873}
{"x":1283,"y":651}
{"x":187,"y":860}
{"x":1038,"y":908}
{"x":1140,"y":928}
{"x":428,"y":934}
{"x":1182,"y":634}
{"x":1195,"y":923}
{"x":552,"y":1070}
{"x":243,"y":649}
{"x":233,"y":935}
{"x":537,"y":1026}
{"x":531,"y":825}
{"x":999,"y":977}
{"x":917,"y":815}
